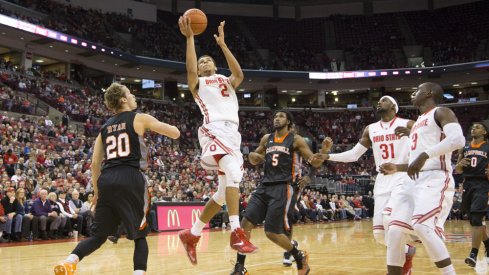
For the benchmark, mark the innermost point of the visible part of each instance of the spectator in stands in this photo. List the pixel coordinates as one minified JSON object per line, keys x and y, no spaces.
{"x":55,"y":206}
{"x":14,"y":220}
{"x":3,"y":222}
{"x":44,"y":216}
{"x":24,"y":211}
{"x":74,"y":219}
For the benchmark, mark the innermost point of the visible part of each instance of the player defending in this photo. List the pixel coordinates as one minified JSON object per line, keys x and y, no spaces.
{"x":472,"y":164}
{"x":272,"y":197}
{"x":120,"y":192}
{"x":389,"y":142}
{"x":218,"y":136}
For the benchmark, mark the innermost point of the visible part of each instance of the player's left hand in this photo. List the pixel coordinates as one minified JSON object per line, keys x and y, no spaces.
{"x":220,"y":38}
{"x":402,"y":131}
{"x":304,"y":181}
{"x":327,"y":144}
{"x":416,"y":165}
{"x":388,"y":168}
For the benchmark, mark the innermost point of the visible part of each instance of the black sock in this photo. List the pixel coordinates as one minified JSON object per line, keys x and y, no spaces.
{"x":240,"y":259}
{"x":141,"y":251}
{"x":87,"y":246}
{"x":474,"y":251}
{"x":486,"y":244}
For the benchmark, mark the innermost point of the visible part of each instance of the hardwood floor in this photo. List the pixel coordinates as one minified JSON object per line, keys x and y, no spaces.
{"x":334,"y":248}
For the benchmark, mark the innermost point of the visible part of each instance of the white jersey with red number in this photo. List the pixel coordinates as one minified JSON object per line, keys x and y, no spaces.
{"x":217,"y":99}
{"x":424,"y":135}
{"x":386,"y":145}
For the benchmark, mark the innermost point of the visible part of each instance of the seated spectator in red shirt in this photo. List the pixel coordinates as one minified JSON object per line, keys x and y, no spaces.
{"x":3,"y":223}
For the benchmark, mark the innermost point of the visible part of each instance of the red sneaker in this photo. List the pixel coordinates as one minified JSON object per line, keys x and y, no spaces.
{"x":408,"y":264}
{"x":189,"y":242}
{"x":240,"y":242}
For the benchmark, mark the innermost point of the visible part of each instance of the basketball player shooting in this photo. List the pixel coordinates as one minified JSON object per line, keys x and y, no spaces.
{"x":218,"y":137}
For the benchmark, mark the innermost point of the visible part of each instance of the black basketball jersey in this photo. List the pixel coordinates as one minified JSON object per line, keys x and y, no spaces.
{"x":122,"y":145}
{"x":280,"y":159}
{"x":477,"y":155}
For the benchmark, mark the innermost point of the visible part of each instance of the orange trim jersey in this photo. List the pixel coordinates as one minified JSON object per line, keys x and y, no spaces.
{"x":279,"y":159}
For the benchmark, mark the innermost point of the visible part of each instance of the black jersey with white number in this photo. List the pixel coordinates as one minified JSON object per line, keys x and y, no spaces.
{"x":279,"y":159}
{"x":477,"y":155}
{"x":122,"y":145}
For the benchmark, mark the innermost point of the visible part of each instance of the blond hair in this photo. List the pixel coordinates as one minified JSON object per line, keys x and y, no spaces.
{"x":113,"y":96}
{"x":20,"y":200}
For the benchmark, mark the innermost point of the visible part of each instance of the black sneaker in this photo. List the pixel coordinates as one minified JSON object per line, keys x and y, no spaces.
{"x":303,"y":263}
{"x":287,"y":259}
{"x":239,"y":269}
{"x":471,"y":260}
{"x":113,"y":239}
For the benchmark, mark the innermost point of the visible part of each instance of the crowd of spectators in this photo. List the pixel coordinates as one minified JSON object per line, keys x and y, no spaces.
{"x":368,"y":42}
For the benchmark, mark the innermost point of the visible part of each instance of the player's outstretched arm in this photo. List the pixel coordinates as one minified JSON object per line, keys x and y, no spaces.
{"x":355,"y":153}
{"x":237,"y":75}
{"x":191,"y":56}
{"x":258,"y":156}
{"x":145,"y":121}
{"x":96,"y":167}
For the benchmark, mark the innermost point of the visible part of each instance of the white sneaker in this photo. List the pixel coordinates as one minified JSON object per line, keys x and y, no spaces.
{"x":287,"y":259}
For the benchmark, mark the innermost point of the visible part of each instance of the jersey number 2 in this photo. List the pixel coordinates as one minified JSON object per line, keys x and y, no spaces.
{"x":117,"y":147}
{"x":224,"y":89}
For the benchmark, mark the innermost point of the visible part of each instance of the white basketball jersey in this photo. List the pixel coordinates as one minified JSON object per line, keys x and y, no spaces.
{"x":386,"y":145}
{"x":425,"y":134}
{"x":217,"y":99}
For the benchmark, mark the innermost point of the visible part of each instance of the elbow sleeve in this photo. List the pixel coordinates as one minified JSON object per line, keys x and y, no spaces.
{"x":349,"y":156}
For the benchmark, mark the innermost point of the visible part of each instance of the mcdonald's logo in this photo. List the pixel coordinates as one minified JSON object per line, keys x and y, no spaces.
{"x":173,"y":215}
{"x":195,"y":215}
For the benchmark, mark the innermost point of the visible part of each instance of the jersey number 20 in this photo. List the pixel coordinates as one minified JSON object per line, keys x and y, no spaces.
{"x":117,"y":146}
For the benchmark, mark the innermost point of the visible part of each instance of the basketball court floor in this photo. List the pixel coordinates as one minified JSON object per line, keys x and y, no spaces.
{"x":334,"y":248}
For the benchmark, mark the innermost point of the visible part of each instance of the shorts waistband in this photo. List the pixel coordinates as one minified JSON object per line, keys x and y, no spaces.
{"x":226,"y":123}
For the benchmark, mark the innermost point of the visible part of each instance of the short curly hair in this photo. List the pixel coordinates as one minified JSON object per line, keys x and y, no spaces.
{"x":113,"y":96}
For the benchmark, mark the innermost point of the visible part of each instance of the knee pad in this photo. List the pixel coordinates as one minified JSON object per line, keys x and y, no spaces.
{"x":220,"y":196}
{"x":476,"y":219}
{"x":232,"y":168}
{"x":379,"y":236}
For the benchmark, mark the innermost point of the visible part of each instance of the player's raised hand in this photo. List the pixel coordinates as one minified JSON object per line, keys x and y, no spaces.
{"x":388,"y":168}
{"x":416,"y":165}
{"x":220,"y":38}
{"x":184,"y":25}
{"x":402,"y":131}
{"x":326,"y":145}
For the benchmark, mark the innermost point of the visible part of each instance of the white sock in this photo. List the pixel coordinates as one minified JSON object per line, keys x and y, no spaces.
{"x":234,"y":221}
{"x":448,"y":270}
{"x":72,"y":258}
{"x":139,"y":272}
{"x":197,"y":228}
{"x":406,"y":249}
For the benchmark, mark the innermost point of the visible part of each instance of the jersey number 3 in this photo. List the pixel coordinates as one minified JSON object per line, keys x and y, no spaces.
{"x":117,"y":146}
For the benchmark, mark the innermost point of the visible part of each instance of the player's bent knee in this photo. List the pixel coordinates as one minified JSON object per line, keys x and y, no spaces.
{"x":219,"y":198}
{"x":476,"y":219}
{"x":379,"y":236}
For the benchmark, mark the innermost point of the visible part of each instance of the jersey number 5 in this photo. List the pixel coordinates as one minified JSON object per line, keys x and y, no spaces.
{"x":224,"y":89}
{"x":274,"y":159}
{"x":117,"y":147}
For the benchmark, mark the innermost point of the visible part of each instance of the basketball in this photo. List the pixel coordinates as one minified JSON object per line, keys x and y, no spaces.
{"x":198,"y":20}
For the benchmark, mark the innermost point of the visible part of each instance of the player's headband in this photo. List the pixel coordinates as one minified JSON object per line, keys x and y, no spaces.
{"x":392,"y":100}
